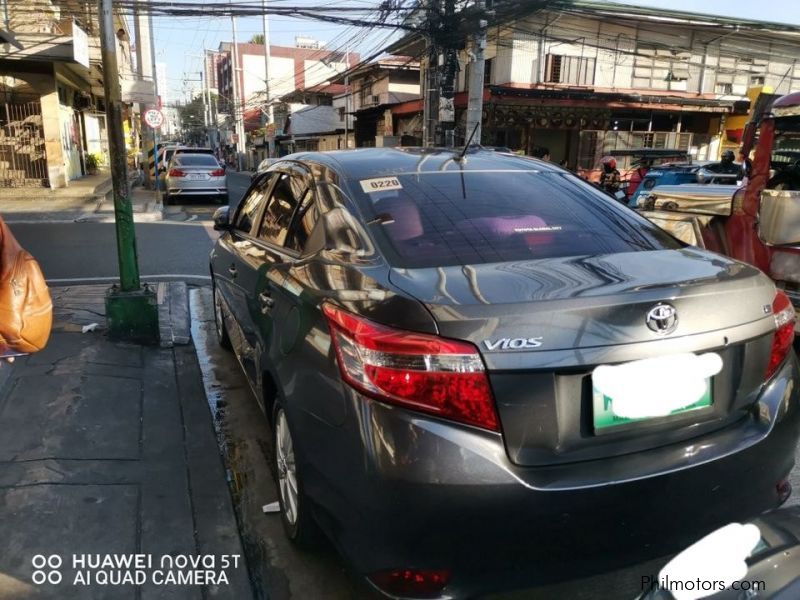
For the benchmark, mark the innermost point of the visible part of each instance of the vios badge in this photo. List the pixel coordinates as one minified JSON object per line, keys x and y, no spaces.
{"x":513,"y":343}
{"x":662,"y":319}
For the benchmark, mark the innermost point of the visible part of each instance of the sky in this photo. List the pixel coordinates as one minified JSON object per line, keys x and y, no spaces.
{"x":180,"y":41}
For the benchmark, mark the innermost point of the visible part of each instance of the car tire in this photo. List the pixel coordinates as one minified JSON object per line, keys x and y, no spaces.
{"x":298,"y":522}
{"x":167,"y":200}
{"x":223,"y":339}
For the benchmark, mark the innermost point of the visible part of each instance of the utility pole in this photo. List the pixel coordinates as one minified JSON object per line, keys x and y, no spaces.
{"x":270,"y":111}
{"x":146,"y":70}
{"x":447,"y":87}
{"x":238,"y":104}
{"x":156,"y":97}
{"x":131,"y":311}
{"x":476,"y":72}
{"x":347,"y":97}
{"x":430,"y":85}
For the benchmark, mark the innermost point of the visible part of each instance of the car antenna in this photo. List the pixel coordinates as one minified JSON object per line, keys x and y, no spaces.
{"x":469,"y":141}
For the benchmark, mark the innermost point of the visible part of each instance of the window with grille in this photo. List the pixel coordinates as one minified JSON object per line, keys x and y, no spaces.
{"x":575,"y":70}
{"x":723,"y":88}
{"x":365,"y":94}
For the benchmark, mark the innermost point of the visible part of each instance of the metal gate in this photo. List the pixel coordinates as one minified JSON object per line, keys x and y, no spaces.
{"x":23,"y":162}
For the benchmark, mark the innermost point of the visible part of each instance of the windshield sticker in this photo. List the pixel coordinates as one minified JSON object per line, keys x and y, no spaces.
{"x":380,"y":184}
{"x":537,"y":229}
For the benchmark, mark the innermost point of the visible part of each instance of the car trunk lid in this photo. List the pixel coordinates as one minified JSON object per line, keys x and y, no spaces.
{"x":542,"y":327}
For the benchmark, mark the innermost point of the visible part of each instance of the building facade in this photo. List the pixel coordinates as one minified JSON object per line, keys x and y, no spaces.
{"x":375,"y":88}
{"x":585,"y":79}
{"x":51,"y":91}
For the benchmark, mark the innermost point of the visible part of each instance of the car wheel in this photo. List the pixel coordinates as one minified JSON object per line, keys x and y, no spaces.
{"x":297,"y":520}
{"x":167,"y":200}
{"x":223,"y":338}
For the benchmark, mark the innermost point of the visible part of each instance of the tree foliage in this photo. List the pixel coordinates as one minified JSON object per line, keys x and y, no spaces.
{"x":191,"y":114}
{"x":257,"y":39}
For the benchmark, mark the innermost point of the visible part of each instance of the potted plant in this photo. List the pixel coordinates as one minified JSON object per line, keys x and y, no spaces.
{"x":92,"y":162}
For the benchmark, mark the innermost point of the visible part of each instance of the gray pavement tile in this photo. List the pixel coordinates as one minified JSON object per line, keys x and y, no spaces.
{"x":71,"y":416}
{"x":64,"y":520}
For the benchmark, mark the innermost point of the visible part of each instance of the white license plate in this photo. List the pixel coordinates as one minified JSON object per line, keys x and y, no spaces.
{"x":195,"y":176}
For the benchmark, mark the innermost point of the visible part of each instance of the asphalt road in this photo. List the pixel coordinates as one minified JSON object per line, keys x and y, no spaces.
{"x":86,"y":252}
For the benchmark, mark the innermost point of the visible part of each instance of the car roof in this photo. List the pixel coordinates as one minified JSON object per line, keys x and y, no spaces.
{"x":368,"y":163}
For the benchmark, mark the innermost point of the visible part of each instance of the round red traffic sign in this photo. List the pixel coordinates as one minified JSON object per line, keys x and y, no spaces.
{"x":154,"y":118}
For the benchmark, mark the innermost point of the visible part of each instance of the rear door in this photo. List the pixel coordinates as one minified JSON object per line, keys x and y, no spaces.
{"x":258,"y":256}
{"x":232,"y":262}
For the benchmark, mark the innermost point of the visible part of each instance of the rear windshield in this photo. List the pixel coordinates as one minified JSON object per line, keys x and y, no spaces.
{"x":473,"y":217}
{"x":194,"y":151}
{"x":196,"y":160}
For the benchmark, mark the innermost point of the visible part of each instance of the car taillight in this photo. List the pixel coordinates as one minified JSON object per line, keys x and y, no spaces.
{"x":414,"y":583}
{"x":217,"y":173}
{"x":423,"y":372}
{"x":176,"y":173}
{"x":783,"y":311}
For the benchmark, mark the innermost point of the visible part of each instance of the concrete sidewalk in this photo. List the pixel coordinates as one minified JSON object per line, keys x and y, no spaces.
{"x":86,"y":200}
{"x":107,"y":450}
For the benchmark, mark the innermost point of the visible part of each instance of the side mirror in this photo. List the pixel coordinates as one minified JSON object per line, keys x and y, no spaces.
{"x":222,"y":219}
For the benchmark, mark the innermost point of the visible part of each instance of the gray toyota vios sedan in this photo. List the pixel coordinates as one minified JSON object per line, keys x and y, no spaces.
{"x":482,"y":373}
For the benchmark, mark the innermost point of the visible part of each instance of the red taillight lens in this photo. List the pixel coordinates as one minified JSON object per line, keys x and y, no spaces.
{"x":423,"y":372}
{"x":415,"y":583}
{"x":176,"y":173}
{"x":783,"y":311}
{"x":217,"y":173}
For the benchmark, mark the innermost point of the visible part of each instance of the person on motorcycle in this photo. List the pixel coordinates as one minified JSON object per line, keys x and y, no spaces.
{"x":638,"y":175}
{"x":726,"y":165}
{"x":609,"y":177}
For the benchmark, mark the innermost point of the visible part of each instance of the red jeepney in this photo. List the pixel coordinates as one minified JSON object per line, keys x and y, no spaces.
{"x":760,"y":222}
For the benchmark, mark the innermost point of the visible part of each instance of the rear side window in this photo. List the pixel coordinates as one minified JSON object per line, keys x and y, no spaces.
{"x":249,"y":207}
{"x":289,"y":191}
{"x":196,"y":160}
{"x":474,"y":217}
{"x":304,"y":224}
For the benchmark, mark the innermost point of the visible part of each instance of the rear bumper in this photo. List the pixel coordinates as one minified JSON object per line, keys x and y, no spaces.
{"x":210,"y":191}
{"x":399,"y":490}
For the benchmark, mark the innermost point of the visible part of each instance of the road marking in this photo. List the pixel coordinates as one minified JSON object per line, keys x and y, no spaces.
{"x":116,"y":278}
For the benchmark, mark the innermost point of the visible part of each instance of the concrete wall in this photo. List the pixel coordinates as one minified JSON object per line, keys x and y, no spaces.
{"x":282,"y":75}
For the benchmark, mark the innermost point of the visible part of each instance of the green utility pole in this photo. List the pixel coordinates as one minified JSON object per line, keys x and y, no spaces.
{"x":131,"y":311}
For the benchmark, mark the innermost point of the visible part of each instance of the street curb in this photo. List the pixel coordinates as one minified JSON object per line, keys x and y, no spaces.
{"x":174,"y":320}
{"x":216,"y":527}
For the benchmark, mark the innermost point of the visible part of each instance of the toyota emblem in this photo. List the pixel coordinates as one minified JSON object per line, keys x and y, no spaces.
{"x":662,"y":319}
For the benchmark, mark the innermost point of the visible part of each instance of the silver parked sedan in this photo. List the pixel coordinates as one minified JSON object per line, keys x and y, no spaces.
{"x":195,"y":175}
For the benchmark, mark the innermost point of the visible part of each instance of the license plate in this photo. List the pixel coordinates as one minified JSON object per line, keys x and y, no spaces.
{"x":196,"y":176}
{"x":604,"y":416}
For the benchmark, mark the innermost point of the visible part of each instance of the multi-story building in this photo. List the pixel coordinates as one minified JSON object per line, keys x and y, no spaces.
{"x":375,"y":88}
{"x":312,"y":119}
{"x":289,"y":69}
{"x":51,"y":91}
{"x":583,"y":78}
